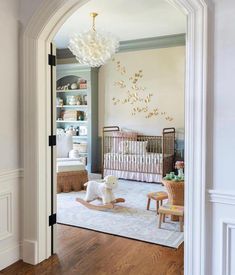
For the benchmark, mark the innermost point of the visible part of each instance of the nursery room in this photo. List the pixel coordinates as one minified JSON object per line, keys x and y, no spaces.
{"x":116,"y":137}
{"x":119,"y":121}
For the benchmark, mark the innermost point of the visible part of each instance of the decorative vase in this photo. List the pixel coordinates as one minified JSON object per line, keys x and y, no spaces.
{"x":74,"y":86}
{"x":71,"y":100}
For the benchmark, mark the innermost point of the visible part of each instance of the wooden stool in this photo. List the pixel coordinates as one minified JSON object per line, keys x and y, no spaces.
{"x":158,"y":197}
{"x":175,"y":210}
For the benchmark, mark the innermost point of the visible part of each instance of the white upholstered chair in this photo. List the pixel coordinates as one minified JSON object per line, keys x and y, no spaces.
{"x":71,"y":171}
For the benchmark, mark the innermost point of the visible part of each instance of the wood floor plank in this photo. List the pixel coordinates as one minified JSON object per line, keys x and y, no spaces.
{"x":85,"y":252}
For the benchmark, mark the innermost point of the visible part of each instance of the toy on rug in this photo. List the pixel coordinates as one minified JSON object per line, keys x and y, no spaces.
{"x":101,"y":189}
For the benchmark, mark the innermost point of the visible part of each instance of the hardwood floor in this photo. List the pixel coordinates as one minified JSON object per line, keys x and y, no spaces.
{"x":85,"y":252}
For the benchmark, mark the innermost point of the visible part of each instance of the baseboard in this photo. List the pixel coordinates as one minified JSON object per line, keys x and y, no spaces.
{"x":9,"y":256}
{"x":29,"y":252}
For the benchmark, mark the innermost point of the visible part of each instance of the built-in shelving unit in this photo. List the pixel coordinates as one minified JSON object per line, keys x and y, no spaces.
{"x":77,"y":108}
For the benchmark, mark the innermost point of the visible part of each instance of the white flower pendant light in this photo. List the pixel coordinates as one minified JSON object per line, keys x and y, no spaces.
{"x":93,"y":48}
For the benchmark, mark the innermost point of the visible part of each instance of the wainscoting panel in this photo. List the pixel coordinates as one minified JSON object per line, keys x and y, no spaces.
{"x":5,"y":215}
{"x":10,"y":216}
{"x":222,"y":231}
{"x":228,"y":251}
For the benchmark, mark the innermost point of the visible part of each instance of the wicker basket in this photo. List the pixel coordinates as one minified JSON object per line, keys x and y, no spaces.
{"x":71,"y":181}
{"x":70,"y":115}
{"x":175,"y":190}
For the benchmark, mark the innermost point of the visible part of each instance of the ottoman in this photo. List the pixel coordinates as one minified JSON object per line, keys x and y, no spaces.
{"x":71,"y":176}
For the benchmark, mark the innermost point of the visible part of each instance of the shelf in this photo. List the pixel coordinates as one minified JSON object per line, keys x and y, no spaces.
{"x":80,"y":137}
{"x":72,"y":106}
{"x":72,"y":91}
{"x":72,"y":121}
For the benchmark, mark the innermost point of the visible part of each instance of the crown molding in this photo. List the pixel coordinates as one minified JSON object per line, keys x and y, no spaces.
{"x":153,"y":43}
{"x":136,"y":45}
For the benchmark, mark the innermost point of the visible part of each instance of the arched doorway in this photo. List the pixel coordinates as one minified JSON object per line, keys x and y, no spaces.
{"x":36,"y":85}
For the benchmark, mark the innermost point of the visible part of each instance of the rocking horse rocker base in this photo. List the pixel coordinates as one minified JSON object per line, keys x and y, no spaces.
{"x":103,"y":207}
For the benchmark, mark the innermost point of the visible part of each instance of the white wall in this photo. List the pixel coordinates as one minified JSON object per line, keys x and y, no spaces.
{"x":27,"y":8}
{"x":9,"y":119}
{"x":10,"y":174}
{"x":163,"y":75}
{"x":224,"y":93}
{"x":221,"y":141}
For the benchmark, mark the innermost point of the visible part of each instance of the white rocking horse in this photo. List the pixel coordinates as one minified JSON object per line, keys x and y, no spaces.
{"x":102,"y":189}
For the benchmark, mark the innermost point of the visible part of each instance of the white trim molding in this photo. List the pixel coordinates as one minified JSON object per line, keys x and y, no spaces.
{"x":222,"y":197}
{"x":228,"y":228}
{"x":11,"y":174}
{"x":7,"y":222}
{"x":36,"y":39}
{"x":29,"y":251}
{"x":10,"y":216}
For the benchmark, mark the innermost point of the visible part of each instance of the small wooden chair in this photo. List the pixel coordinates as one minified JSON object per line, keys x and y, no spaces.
{"x":175,"y":210}
{"x":158,"y":197}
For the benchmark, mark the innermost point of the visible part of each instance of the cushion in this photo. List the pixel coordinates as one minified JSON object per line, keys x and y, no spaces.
{"x":64,"y":145}
{"x":137,"y":147}
{"x":67,"y":159}
{"x":68,"y":166}
{"x":123,"y":147}
{"x":73,"y":154}
{"x":121,"y":137}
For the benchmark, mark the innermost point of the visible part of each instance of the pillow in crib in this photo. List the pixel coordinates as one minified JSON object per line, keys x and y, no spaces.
{"x":137,"y":147}
{"x":123,"y":147}
{"x":121,"y":137}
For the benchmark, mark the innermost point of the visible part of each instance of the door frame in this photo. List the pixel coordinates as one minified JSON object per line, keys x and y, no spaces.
{"x":36,"y":38}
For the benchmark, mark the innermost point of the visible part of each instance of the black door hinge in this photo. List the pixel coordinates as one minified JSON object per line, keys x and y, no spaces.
{"x":52,"y":140}
{"x":52,"y":219}
{"x":51,"y":60}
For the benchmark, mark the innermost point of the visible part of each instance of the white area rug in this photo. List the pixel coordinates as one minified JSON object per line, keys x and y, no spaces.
{"x":129,"y":219}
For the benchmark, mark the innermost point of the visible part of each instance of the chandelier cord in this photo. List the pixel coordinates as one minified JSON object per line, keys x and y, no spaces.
{"x":93,"y":14}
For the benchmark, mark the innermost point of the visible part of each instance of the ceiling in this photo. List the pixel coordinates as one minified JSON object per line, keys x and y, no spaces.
{"x":126,"y":19}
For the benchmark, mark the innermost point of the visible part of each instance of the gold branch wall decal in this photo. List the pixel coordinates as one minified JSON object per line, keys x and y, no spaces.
{"x":135,"y":94}
{"x":121,"y":84}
